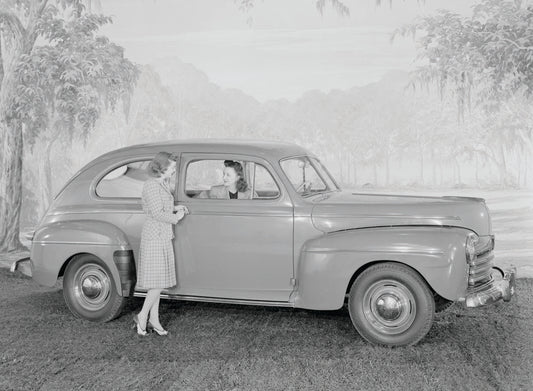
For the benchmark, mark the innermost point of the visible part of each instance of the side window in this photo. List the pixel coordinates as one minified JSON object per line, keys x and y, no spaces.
{"x":201,"y":175}
{"x":125,"y":181}
{"x":218,"y":179}
{"x":264,"y":185}
{"x":303,"y":176}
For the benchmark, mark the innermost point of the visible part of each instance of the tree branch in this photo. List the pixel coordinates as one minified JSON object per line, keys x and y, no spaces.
{"x":35,"y":13}
{"x":508,"y":41}
{"x":13,"y":23}
{"x":338,"y":5}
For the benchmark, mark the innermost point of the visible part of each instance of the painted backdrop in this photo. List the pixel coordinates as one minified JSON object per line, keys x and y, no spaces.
{"x":398,"y":96}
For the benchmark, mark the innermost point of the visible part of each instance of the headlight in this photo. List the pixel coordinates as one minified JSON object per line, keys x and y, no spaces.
{"x":470,"y":247}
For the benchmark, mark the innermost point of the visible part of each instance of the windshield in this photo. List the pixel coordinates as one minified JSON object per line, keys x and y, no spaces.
{"x":308,"y":176}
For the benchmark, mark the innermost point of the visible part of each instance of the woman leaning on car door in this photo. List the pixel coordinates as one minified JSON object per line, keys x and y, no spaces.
{"x":156,"y":269}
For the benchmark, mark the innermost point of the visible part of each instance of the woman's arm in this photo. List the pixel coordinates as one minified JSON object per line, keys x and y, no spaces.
{"x":154,"y":204}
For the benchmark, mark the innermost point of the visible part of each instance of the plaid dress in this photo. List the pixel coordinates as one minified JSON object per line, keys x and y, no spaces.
{"x":156,"y":267}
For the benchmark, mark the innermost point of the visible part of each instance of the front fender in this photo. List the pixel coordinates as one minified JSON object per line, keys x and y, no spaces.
{"x":327,"y":264}
{"x":57,"y":243}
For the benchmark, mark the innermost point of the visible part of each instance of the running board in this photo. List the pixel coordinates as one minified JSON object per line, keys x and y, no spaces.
{"x":219,"y":300}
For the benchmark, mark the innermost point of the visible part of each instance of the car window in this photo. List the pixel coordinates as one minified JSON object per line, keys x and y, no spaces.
{"x":303,"y":176}
{"x":125,"y":181}
{"x":324,"y":174}
{"x":264,"y":184}
{"x":205,"y":179}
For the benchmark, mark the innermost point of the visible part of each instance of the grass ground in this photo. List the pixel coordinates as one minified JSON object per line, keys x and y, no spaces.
{"x":226,"y":347}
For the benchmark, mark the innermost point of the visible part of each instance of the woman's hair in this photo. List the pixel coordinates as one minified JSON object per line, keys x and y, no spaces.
{"x":242,"y":185}
{"x":160,"y":163}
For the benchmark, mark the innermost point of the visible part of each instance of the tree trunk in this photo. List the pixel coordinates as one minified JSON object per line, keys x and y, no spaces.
{"x":48,"y":188}
{"x":10,"y":167}
{"x":526,"y":173}
{"x":346,"y":170}
{"x":503,"y":167}
{"x":11,"y":141}
{"x":387,"y":169}
{"x":10,"y":185}
{"x":341,"y":170}
{"x":458,"y":170}
{"x":519,"y":165}
{"x":477,"y":170}
{"x":433,"y":166}
{"x":354,"y":178}
{"x":421,"y":154}
{"x":45,"y":174}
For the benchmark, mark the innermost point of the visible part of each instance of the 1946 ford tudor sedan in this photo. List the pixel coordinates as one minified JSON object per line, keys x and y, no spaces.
{"x":300,"y":241}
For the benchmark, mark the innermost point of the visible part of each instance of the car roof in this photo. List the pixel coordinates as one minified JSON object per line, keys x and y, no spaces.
{"x":267,"y":149}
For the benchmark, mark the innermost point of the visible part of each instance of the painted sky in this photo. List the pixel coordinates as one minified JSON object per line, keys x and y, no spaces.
{"x":279,"y":49}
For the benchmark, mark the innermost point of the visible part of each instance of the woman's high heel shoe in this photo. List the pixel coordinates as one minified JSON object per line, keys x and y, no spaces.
{"x":137,"y":325}
{"x":160,"y":331}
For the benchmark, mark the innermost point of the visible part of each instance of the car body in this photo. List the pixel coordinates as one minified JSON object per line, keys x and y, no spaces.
{"x":299,"y":242}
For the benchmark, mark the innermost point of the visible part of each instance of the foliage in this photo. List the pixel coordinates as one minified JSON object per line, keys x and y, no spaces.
{"x":55,"y":76}
{"x":364,"y":135}
{"x":486,"y":56}
{"x":65,"y":84}
{"x":337,"y":5}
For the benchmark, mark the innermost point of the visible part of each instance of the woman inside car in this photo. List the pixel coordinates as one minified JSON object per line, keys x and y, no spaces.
{"x":234,"y":187}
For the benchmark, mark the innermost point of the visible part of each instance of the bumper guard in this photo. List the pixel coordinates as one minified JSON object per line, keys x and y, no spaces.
{"x":495,"y":290}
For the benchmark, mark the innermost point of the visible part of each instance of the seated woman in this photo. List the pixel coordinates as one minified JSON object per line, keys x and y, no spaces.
{"x":234,"y":187}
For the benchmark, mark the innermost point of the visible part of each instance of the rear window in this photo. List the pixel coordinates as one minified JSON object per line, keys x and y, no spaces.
{"x":125,"y":181}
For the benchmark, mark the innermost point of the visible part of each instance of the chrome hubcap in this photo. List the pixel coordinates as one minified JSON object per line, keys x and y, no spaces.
{"x":92,"y":286}
{"x":389,"y":307}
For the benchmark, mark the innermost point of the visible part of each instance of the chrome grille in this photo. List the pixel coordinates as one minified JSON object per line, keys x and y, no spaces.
{"x":481,"y":268}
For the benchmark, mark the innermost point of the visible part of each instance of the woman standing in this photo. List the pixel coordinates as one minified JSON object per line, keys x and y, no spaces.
{"x":156,"y":268}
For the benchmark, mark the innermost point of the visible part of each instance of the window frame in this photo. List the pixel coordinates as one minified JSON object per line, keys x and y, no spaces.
{"x":117,"y":164}
{"x":312,"y":163}
{"x":190,"y":157}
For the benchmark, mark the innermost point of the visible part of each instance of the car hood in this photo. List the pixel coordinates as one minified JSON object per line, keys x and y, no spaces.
{"x":346,"y":210}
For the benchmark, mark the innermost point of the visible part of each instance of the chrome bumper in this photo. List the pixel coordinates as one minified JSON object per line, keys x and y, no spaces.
{"x":22,"y":265}
{"x":495,"y":290}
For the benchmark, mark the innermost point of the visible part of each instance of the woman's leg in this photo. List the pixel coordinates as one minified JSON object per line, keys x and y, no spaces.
{"x":154,"y":313}
{"x":152,"y":296}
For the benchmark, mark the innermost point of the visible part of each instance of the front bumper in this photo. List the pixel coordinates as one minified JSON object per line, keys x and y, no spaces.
{"x":495,"y":290}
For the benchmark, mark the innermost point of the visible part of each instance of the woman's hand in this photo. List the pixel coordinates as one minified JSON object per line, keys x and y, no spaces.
{"x":181,"y":209}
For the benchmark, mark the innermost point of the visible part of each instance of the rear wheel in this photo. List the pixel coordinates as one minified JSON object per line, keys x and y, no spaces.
{"x":89,"y":289}
{"x":390,"y":304}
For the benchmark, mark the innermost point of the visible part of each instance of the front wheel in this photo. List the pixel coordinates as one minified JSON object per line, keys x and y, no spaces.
{"x":89,"y":290}
{"x":390,"y":304}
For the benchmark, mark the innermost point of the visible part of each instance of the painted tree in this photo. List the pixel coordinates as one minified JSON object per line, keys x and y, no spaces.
{"x":57,"y":88}
{"x":486,"y":56}
{"x":482,"y":60}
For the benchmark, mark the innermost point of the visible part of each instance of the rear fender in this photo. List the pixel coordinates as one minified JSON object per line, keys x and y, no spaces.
{"x":56,"y":244}
{"x":327,"y":264}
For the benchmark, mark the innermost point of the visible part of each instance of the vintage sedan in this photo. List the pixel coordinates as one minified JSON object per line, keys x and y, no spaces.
{"x":298,"y":241}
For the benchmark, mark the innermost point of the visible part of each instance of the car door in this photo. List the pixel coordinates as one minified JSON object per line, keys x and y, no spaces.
{"x":233,"y":248}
